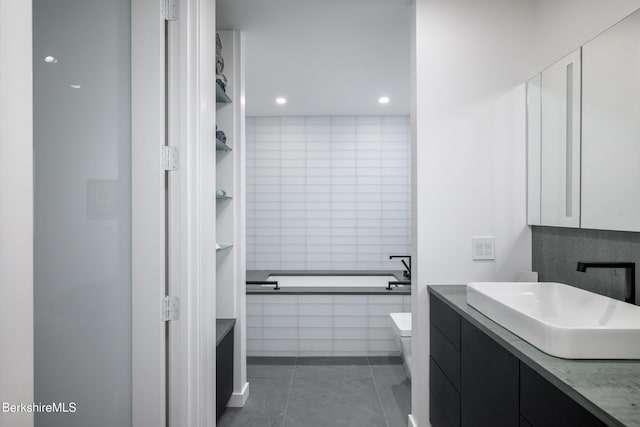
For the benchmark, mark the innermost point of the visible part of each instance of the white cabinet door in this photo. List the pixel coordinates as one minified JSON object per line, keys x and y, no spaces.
{"x":560,"y":141}
{"x":611,"y":128}
{"x":533,"y":149}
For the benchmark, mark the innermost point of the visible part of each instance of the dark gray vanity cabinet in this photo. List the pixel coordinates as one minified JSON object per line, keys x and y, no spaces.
{"x":489,"y":381}
{"x":444,"y":365}
{"x":474,"y":381}
{"x":544,"y":405}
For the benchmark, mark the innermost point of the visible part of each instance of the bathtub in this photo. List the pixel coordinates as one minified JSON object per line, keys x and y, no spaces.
{"x":324,"y":313}
{"x":330,"y":281}
{"x":329,"y":324}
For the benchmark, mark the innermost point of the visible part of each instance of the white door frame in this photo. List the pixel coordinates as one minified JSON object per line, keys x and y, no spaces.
{"x":148,"y":213}
{"x":16,"y":209}
{"x":192,"y":215}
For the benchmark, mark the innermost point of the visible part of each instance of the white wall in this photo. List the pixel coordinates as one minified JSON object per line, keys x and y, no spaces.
{"x":469,"y":151}
{"x":562,"y":26}
{"x":16,"y":210}
{"x":327,"y":193}
{"x":469,"y":175}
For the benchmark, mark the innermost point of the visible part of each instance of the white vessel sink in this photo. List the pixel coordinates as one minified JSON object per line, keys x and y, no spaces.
{"x":561,"y":320}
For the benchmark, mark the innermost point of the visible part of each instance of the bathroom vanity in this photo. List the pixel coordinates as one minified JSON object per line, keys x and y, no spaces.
{"x":483,"y":375}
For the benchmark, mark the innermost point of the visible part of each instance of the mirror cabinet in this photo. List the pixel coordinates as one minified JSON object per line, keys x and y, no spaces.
{"x":611,"y":128}
{"x":583,"y":135}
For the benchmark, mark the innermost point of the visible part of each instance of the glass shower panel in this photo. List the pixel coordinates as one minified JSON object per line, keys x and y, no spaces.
{"x":82,"y":141}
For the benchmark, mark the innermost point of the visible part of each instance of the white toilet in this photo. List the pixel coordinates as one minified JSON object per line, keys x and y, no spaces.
{"x":402,"y":327}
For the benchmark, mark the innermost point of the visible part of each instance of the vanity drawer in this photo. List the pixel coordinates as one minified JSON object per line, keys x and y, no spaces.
{"x":444,"y":393}
{"x":436,"y":413}
{"x":544,"y":405}
{"x":445,"y":319}
{"x":524,"y":423}
{"x":446,"y":356}
{"x":489,"y":381}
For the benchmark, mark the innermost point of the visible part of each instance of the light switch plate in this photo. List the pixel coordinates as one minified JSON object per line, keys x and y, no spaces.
{"x":483,"y":248}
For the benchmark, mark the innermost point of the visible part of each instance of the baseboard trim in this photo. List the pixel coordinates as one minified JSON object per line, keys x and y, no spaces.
{"x":237,"y":400}
{"x":412,"y":421}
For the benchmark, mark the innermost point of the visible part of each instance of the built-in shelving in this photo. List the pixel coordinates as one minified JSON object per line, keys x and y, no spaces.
{"x":230,"y":208}
{"x":221,"y":146}
{"x":221,"y":97}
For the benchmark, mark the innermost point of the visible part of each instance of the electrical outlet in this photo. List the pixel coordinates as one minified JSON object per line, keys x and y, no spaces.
{"x":483,"y":248}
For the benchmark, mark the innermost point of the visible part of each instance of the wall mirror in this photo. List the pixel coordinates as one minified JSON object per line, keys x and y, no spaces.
{"x":583,"y":121}
{"x":560,"y":143}
{"x":611,"y":128}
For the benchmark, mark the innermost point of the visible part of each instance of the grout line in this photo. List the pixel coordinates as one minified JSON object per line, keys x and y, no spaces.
{"x":357,"y":188}
{"x":280,"y":192}
{"x":331,"y":211}
{"x":375,"y":385}
{"x":286,"y":405}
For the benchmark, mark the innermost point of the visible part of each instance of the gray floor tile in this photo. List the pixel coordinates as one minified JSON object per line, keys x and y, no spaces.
{"x":385,"y":360}
{"x":268,"y":393}
{"x":316,"y":360}
{"x":239,"y":417}
{"x":394,"y":389}
{"x":269,"y":371}
{"x":327,"y":395}
{"x":264,"y":360}
{"x":330,"y":372}
{"x":337,"y":396}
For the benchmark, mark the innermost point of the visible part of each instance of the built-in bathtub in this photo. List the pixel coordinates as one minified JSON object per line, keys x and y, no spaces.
{"x":330,"y":281}
{"x":324,"y":313}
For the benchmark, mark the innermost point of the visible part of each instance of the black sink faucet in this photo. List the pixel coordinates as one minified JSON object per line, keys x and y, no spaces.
{"x":630,"y":275}
{"x":407,"y":272}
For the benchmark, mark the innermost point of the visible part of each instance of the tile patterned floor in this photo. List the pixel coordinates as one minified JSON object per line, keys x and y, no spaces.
{"x":323,"y":392}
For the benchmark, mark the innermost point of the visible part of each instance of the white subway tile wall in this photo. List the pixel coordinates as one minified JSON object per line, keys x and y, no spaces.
{"x":323,"y":325}
{"x":328,"y":193}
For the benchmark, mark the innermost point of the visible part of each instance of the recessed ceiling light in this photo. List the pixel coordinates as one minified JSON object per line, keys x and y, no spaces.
{"x":383,"y":100}
{"x":281,"y":101}
{"x":75,"y":86}
{"x":50,"y":59}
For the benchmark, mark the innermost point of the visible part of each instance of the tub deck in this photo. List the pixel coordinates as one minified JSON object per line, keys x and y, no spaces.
{"x":263,"y":275}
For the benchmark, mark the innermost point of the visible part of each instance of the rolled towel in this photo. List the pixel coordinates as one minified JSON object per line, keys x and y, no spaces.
{"x":220,"y":136}
{"x":221,"y":79}
{"x":219,"y":64}
{"x":219,"y":58}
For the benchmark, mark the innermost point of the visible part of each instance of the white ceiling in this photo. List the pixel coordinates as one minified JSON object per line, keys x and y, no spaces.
{"x":326,"y":57}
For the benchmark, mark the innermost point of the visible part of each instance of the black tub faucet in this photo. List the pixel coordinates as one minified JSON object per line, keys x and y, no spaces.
{"x":630,"y":275}
{"x":407,"y":272}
